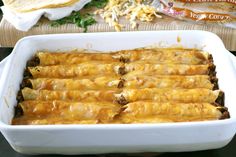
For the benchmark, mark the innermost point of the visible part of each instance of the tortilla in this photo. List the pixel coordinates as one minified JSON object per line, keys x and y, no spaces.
{"x":31,"y":5}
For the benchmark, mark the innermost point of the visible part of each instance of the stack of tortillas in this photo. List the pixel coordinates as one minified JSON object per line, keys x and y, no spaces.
{"x":24,"y":14}
{"x":31,"y":5}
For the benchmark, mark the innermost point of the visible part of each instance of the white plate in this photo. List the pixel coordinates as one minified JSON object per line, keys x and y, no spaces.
{"x":109,"y":138}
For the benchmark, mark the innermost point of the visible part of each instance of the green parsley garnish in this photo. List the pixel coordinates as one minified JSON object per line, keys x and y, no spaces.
{"x":81,"y":20}
{"x":97,"y":3}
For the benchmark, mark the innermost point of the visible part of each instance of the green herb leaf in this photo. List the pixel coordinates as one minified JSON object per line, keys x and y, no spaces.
{"x":97,"y":4}
{"x":80,"y":20}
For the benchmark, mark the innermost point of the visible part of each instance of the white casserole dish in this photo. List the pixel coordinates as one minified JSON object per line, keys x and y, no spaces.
{"x":110,"y":138}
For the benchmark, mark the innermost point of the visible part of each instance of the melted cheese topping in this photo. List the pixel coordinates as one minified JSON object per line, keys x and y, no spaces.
{"x":75,"y":70}
{"x":69,"y":95}
{"x":48,"y":58}
{"x":100,"y":110}
{"x":166,"y":56}
{"x":150,"y":111}
{"x":168,"y":69}
{"x":176,"y":95}
{"x":164,"y":81}
{"x":153,"y":85}
{"x":102,"y":82}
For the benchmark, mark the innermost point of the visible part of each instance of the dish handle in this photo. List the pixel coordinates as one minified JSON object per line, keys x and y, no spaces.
{"x":233,"y":59}
{"x":2,"y":65}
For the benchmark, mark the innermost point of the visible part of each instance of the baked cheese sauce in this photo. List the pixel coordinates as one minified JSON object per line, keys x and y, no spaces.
{"x":151,"y":85}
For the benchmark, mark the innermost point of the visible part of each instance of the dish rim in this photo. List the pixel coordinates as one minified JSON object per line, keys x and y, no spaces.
{"x":8,"y":62}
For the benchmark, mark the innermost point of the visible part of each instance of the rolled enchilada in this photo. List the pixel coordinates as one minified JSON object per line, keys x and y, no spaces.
{"x":150,"y":111}
{"x":170,"y":69}
{"x":75,"y":95}
{"x":167,"y":56}
{"x":75,"y":70}
{"x":141,"y":80}
{"x":50,"y":58}
{"x":101,"y":111}
{"x":101,"y":82}
{"x":162,"y":95}
{"x":49,"y":120}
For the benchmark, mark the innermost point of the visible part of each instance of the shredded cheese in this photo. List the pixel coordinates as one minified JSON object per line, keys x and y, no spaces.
{"x":132,"y":10}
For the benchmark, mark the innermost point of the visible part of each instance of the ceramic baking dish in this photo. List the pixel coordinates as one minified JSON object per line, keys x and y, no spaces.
{"x":110,"y":138}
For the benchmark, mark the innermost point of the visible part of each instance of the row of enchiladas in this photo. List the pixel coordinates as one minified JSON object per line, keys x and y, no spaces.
{"x":150,"y":85}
